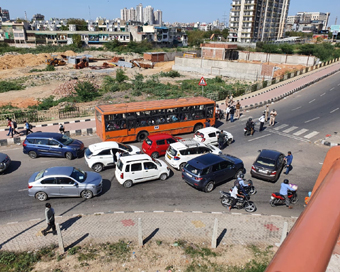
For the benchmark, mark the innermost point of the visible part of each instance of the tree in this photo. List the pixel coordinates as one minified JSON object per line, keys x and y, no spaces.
{"x":120,"y":76}
{"x":80,"y":23}
{"x":77,"y":42}
{"x":86,"y":91}
{"x":270,"y":48}
{"x":287,"y":48}
{"x":225,"y":33}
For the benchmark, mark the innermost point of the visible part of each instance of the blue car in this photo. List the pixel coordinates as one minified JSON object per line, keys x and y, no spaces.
{"x":207,"y":171}
{"x":52,"y":145}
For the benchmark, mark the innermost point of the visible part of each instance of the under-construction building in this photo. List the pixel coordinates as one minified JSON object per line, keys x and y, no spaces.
{"x":257,"y":20}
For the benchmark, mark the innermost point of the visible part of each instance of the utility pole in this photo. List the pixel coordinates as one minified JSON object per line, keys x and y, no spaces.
{"x":336,"y":19}
{"x":224,"y":17}
{"x":25,"y":16}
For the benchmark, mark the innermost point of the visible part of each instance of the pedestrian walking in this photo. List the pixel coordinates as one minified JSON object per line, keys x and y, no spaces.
{"x":261,"y":119}
{"x":207,"y":123}
{"x":238,"y":107}
{"x":49,"y":215}
{"x":28,"y":128}
{"x":227,"y":111}
{"x":232,"y":111}
{"x":273,"y":114}
{"x":9,"y":124}
{"x":289,"y":160}
{"x":220,"y":139}
{"x":61,"y":128}
{"x":14,"y":128}
{"x":266,"y":111}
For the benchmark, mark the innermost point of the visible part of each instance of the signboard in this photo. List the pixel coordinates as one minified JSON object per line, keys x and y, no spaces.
{"x":202,"y":82}
{"x":335,"y":27}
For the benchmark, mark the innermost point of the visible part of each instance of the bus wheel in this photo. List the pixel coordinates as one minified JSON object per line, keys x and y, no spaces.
{"x":142,"y":136}
{"x":197,"y":127}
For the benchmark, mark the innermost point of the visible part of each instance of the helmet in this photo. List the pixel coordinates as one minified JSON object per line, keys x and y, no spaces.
{"x":250,"y":119}
{"x":241,"y":176}
{"x":250,"y":182}
{"x":286,"y":181}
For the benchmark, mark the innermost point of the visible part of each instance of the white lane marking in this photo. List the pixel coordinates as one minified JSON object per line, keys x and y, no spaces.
{"x":10,"y":223}
{"x":22,"y":190}
{"x":258,"y":138}
{"x":296,"y":108}
{"x":301,"y":131}
{"x":158,"y":211}
{"x":312,"y":101}
{"x":216,"y":212}
{"x":282,"y":126}
{"x":322,"y":94}
{"x":332,"y":89}
{"x":119,"y":212}
{"x":178,"y":211}
{"x":312,"y":120}
{"x":312,"y":134}
{"x":289,"y":136}
{"x":334,"y":110}
{"x":289,"y":129}
{"x":197,"y":212}
{"x":139,"y":211}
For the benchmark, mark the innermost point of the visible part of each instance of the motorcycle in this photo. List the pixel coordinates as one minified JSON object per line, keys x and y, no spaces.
{"x":226,"y":200}
{"x":278,"y":199}
{"x":247,"y":130}
{"x":220,"y":114}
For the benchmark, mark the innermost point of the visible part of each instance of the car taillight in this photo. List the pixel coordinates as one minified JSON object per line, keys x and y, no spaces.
{"x":198,"y":178}
{"x":203,"y":139}
{"x":24,"y":144}
{"x":176,"y":158}
{"x":253,"y":168}
{"x":273,"y":173}
{"x":30,"y":186}
{"x":122,"y":175}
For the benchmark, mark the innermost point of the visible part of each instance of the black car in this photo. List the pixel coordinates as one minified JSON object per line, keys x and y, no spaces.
{"x":5,"y":161}
{"x":268,"y":165}
{"x":207,"y":171}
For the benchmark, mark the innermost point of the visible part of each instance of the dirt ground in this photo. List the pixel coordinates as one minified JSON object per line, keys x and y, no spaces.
{"x":154,"y":257}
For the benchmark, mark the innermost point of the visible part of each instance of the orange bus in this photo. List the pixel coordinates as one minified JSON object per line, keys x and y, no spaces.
{"x":135,"y":121}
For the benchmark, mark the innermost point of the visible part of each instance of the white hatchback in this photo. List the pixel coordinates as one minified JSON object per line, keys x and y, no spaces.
{"x":179,"y":153}
{"x":209,"y":135}
{"x":100,"y":155}
{"x":139,"y":168}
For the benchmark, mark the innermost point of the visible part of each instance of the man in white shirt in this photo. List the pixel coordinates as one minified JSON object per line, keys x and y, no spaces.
{"x":118,"y":154}
{"x":234,"y":194}
{"x":262,"y":119}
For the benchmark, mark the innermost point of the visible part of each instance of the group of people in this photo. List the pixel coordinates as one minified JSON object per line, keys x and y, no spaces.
{"x":250,"y":125}
{"x":232,"y":111}
{"x":13,"y":128}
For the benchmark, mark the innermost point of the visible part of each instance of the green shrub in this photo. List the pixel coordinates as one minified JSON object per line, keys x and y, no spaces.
{"x":86,"y":91}
{"x":6,"y":86}
{"x":120,"y":76}
{"x":49,"y":68}
{"x":109,"y":85}
{"x":171,"y":74}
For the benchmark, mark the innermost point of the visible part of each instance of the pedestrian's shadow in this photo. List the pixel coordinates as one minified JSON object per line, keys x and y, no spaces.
{"x":68,"y":223}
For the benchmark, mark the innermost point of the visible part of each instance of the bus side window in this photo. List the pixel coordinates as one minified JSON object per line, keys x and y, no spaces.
{"x":210,"y":111}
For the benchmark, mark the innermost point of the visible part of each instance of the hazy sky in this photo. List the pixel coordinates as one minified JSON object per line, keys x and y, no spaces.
{"x":173,"y":10}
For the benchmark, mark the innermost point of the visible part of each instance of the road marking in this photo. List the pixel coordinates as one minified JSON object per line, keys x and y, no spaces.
{"x":216,"y":212}
{"x":301,"y":131}
{"x":10,"y":223}
{"x":235,"y":213}
{"x":178,"y":211}
{"x":312,"y":101}
{"x":258,"y":138}
{"x":312,"y":120}
{"x":322,"y":94}
{"x":290,"y":136}
{"x":332,"y":89}
{"x":334,"y":110}
{"x":296,"y":108}
{"x":256,"y":214}
{"x":274,"y":215}
{"x":312,"y":134}
{"x":119,"y":212}
{"x":289,"y":129}
{"x":22,"y":190}
{"x":282,"y":126}
{"x":158,"y":211}
{"x":139,"y":211}
{"x":197,"y":212}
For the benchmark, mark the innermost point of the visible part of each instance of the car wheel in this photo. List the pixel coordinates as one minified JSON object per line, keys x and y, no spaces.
{"x":155,"y":155}
{"x":209,"y":187}
{"x":69,"y":155}
{"x":238,"y":173}
{"x":41,"y":196}
{"x":87,"y":194}
{"x":128,"y":183}
{"x":142,"y":136}
{"x":163,"y":176}
{"x":32,"y":155}
{"x":181,"y":166}
{"x":97,"y":167}
{"x":198,"y":127}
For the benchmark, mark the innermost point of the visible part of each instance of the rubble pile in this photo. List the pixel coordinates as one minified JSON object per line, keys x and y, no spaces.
{"x":66,"y":89}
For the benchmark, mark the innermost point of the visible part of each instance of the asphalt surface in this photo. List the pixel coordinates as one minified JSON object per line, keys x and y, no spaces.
{"x":310,"y":114}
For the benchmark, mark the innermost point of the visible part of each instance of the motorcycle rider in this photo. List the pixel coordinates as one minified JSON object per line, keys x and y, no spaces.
{"x":250,"y":126}
{"x":285,"y":187}
{"x":235,"y":194}
{"x":241,"y":184}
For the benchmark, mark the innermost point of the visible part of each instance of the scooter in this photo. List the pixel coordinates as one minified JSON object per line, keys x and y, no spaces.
{"x":226,"y":200}
{"x":278,"y":199}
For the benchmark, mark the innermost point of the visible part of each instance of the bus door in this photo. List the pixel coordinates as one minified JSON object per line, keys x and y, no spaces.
{"x":131,"y":126}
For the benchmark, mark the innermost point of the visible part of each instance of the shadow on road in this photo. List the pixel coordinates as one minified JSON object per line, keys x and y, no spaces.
{"x":106,"y":186}
{"x":13,"y":167}
{"x":77,"y":241}
{"x":220,"y":237}
{"x":68,"y":223}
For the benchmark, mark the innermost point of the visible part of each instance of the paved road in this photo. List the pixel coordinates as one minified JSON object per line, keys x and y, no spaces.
{"x":174,"y":194}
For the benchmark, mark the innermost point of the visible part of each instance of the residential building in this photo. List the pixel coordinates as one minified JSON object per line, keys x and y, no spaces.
{"x":158,"y":17}
{"x":308,"y":22}
{"x":4,"y":15}
{"x":124,"y":14}
{"x":139,"y":13}
{"x":148,"y":15}
{"x":257,"y":20}
{"x":38,"y":17}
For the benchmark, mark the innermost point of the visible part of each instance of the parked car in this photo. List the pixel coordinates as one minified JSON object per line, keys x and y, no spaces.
{"x":209,"y":135}
{"x":157,"y":144}
{"x":64,"y":181}
{"x":178,"y":154}
{"x":268,"y":165}
{"x":5,"y":162}
{"x":139,"y":168}
{"x":206,"y":171}
{"x":104,"y":154}
{"x":52,"y":144}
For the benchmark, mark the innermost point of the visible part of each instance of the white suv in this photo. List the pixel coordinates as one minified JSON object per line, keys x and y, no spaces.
{"x":178,"y":154}
{"x":139,"y":168}
{"x":209,"y":136}
{"x":100,"y":155}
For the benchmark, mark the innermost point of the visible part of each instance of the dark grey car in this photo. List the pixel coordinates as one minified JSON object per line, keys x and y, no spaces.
{"x":5,"y":161}
{"x":64,"y":181}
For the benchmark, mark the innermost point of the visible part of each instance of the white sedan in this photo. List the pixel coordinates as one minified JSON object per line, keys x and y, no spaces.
{"x":209,"y":135}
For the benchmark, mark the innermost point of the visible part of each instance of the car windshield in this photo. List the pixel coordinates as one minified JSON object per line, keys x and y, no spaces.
{"x":265,"y":162}
{"x":120,"y":165}
{"x":66,"y":140}
{"x":88,"y":152}
{"x":157,"y":162}
{"x":40,"y":174}
{"x":148,"y":141}
{"x":125,"y":147}
{"x":79,"y":175}
{"x":172,"y":151}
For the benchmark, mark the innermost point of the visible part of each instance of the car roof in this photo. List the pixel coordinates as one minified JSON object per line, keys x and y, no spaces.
{"x":208,"y":130}
{"x":103,"y":145}
{"x":186,"y":143}
{"x":137,"y":157}
{"x":160,"y":136}
{"x":53,"y":135}
{"x":58,"y":170}
{"x":208,"y":159}
{"x":270,"y":154}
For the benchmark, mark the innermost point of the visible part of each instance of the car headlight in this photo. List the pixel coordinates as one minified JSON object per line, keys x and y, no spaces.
{"x":2,"y":165}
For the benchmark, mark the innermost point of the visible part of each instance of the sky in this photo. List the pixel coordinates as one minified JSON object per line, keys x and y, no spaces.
{"x":173,"y":10}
